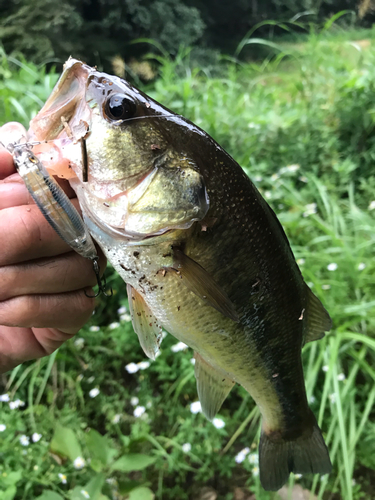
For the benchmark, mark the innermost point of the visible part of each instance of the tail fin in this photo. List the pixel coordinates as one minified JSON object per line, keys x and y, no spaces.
{"x":305,"y":455}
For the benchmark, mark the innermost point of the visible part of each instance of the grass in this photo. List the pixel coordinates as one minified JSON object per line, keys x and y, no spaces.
{"x":301,"y":124}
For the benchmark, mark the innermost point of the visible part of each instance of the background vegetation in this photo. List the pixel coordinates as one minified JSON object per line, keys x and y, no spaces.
{"x":96,"y":419}
{"x":97,"y":30}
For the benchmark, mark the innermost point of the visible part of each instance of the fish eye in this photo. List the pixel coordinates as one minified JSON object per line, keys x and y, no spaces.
{"x":119,"y":107}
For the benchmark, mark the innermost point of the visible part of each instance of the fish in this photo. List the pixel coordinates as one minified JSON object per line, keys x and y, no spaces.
{"x":202,"y":254}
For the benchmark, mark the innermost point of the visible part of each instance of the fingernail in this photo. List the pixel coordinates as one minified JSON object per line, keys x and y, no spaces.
{"x":13,"y":179}
{"x":13,"y":194}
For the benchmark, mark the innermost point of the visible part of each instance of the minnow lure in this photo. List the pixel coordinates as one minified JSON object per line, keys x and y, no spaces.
{"x":56,"y":207}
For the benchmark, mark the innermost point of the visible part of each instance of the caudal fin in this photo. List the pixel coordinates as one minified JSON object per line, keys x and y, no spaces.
{"x":278,"y":458}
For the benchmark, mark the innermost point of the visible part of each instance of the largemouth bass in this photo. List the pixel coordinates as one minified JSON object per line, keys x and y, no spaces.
{"x":202,"y":253}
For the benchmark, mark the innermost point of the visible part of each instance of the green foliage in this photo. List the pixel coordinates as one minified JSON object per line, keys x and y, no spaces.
{"x":301,"y":124}
{"x":97,"y":30}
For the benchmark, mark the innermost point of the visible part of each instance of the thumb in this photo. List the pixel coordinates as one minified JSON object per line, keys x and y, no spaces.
{"x":10,"y":132}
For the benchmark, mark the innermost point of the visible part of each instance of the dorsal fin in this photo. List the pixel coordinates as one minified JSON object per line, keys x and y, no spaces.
{"x":144,"y":323}
{"x":212,"y":386}
{"x":318,"y":319}
{"x":199,"y":281}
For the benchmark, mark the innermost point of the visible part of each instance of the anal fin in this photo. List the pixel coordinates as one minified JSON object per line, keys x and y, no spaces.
{"x":212,"y":386}
{"x":318,"y":319}
{"x":200,"y":282}
{"x":144,"y":323}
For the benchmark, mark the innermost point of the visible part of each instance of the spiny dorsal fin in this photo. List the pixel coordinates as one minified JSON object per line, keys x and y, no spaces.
{"x":318,"y":319}
{"x":212,"y":386}
{"x":144,"y":323}
{"x":199,"y":281}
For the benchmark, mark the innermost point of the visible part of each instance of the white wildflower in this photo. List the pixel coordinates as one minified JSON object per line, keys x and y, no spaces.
{"x":325,"y":368}
{"x":36,"y":437}
{"x":180,"y":346}
{"x":292,"y":168}
{"x":332,"y":266}
{"x":157,"y":354}
{"x":80,"y":377}
{"x":36,"y":467}
{"x":218,"y":423}
{"x":4,"y":398}
{"x":122,"y":310}
{"x":341,"y":377}
{"x":163,"y":334}
{"x":258,"y":178}
{"x":372,"y":205}
{"x":79,"y":342}
{"x":326,"y":287}
{"x":79,"y":463}
{"x":62,"y":478}
{"x":2,"y":427}
{"x":148,"y":404}
{"x":196,"y":407}
{"x":186,"y":447}
{"x":139,"y":411}
{"x":310,"y":209}
{"x":268,"y":195}
{"x":256,"y":471}
{"x":94,"y":392}
{"x":125,"y":317}
{"x":132,"y":368}
{"x":253,"y":459}
{"x":24,"y":440}
{"x":361,"y":266}
{"x":303,"y":178}
{"x":312,"y":399}
{"x":85,"y":494}
{"x":298,"y":476}
{"x":300,"y":262}
{"x":91,"y":379}
{"x":134,"y":401}
{"x":143,"y":365}
{"x":16,"y":404}
{"x":94,"y":328}
{"x":274,"y":177}
{"x":310,"y":284}
{"x":240,"y":457}
{"x":332,"y":397}
{"x":192,"y":361}
{"x":116,"y":418}
{"x":114,"y":325}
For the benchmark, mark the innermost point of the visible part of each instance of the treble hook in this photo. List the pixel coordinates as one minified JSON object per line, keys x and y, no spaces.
{"x":102,"y":282}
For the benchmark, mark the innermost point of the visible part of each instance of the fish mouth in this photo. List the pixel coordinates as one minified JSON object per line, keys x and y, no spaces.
{"x":66,"y":108}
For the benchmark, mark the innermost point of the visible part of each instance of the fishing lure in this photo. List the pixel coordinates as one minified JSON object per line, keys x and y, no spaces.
{"x":56,"y":207}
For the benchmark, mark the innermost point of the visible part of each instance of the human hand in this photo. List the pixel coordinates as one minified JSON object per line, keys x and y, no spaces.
{"x":42,"y":281}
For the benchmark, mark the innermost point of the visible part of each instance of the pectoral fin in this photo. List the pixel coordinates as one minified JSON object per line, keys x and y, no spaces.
{"x":212,"y":387}
{"x":199,"y":281}
{"x":318,"y":319}
{"x":144,"y":323}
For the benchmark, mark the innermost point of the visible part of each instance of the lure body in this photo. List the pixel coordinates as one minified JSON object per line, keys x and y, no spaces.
{"x":53,"y":202}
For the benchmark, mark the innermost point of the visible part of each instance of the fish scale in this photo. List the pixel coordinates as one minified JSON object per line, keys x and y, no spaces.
{"x":202,"y":253}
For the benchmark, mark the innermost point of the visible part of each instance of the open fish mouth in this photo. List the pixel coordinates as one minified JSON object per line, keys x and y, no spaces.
{"x":66,"y":112}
